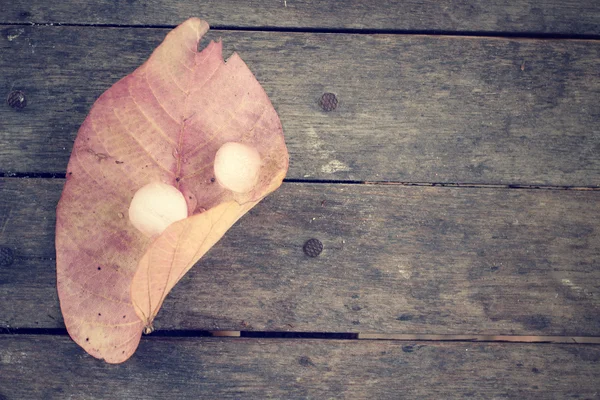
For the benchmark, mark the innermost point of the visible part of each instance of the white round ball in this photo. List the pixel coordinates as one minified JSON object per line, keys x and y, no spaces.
{"x":237,"y":167}
{"x":156,"y":206}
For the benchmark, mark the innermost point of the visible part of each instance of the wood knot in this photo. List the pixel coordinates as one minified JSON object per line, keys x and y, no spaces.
{"x":16,"y":99}
{"x":313,"y":247}
{"x":328,"y":102}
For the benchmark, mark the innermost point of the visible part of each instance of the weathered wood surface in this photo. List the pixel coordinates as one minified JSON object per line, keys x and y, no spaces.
{"x":396,"y":260}
{"x":514,"y":16}
{"x":186,"y":368}
{"x":411,"y":108}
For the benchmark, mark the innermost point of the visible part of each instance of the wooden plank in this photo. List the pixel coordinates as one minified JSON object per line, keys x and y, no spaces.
{"x":526,"y":16}
{"x":411,"y":260}
{"x":411,"y":108}
{"x":52,"y":367}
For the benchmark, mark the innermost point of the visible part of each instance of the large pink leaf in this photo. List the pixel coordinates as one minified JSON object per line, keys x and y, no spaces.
{"x":163,"y":123}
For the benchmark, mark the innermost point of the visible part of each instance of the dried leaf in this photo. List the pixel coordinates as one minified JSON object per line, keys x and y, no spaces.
{"x":162,"y":123}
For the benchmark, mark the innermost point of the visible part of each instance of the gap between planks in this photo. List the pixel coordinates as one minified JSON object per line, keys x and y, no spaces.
{"x":346,"y":31}
{"x":38,"y":175}
{"x":338,"y":336}
{"x":408,"y":337}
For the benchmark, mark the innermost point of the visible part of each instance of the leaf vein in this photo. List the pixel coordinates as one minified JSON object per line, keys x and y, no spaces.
{"x":142,"y":146}
{"x":158,"y":128}
{"x":86,"y":290}
{"x":176,"y":120}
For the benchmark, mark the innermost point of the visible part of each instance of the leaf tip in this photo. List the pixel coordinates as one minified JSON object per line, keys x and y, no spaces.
{"x":199,"y":26}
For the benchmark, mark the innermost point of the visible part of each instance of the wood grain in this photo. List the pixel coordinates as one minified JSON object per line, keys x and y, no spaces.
{"x":411,"y":108}
{"x":526,"y":16}
{"x":187,"y":368}
{"x":397,"y":259}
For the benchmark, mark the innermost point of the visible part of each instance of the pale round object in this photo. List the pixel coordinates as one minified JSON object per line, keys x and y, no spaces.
{"x":156,"y":206}
{"x":237,"y":167}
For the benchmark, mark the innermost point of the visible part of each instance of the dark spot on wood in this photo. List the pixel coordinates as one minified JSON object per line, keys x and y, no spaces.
{"x":408,"y":348}
{"x":578,"y":231}
{"x":119,"y":162}
{"x":355,"y":296}
{"x":495,"y":268}
{"x":535,"y":370}
{"x":355,"y":322}
{"x":426,"y":290}
{"x":478,"y":169}
{"x":313,"y":247}
{"x":6,"y":256}
{"x":522,"y":270}
{"x":536,"y":322}
{"x":99,"y":268}
{"x":328,"y":102}
{"x":305,"y":361}
{"x":356,"y":308}
{"x":405,"y":317}
{"x":16,"y":99}
{"x":587,"y":354}
{"x":519,"y":365}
